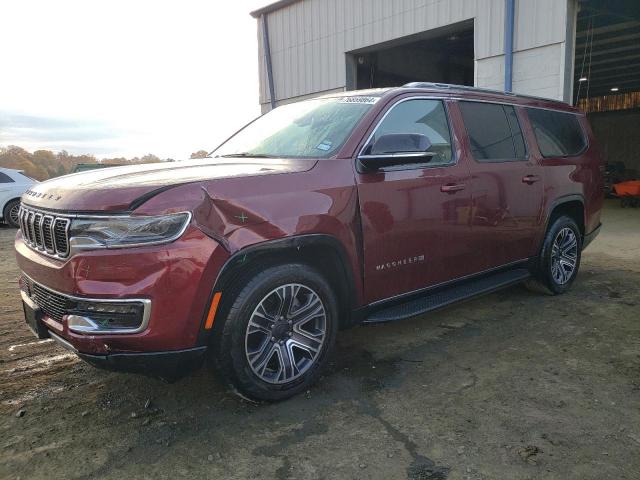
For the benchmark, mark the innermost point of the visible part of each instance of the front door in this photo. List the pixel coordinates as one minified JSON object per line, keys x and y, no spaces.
{"x":415,"y":217}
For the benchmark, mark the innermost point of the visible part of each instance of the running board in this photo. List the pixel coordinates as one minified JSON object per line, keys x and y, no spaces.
{"x":433,"y":300}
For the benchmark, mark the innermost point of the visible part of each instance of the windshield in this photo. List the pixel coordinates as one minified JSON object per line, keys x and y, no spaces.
{"x":311,"y":129}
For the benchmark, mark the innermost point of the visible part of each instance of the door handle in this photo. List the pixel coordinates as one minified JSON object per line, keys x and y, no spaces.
{"x":452,"y":187}
{"x":530,"y":179}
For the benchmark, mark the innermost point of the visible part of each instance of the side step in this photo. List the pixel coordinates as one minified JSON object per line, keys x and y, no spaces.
{"x":444,"y":296}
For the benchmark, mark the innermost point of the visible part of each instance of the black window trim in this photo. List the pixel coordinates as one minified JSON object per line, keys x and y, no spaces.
{"x":578,"y":115}
{"x":527,"y":155}
{"x":419,"y":166}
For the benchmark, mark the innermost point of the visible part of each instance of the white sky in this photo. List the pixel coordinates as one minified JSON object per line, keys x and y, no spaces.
{"x":127,"y":77}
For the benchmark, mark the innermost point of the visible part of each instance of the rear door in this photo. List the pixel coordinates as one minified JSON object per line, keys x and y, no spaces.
{"x":506,"y":186}
{"x":415,"y":217}
{"x":572,"y":164}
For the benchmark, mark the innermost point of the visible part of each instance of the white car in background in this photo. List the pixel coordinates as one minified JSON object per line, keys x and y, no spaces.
{"x":13,"y":183}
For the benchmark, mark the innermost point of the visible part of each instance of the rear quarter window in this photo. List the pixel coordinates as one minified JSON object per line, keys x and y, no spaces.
{"x":4,"y":178}
{"x":558,"y":134}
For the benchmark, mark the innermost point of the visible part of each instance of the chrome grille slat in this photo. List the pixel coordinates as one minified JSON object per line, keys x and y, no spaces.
{"x":60,"y":235}
{"x":37,"y":229}
{"x":23,"y":224}
{"x":25,"y":220}
{"x":45,"y":232}
{"x":30,"y":226}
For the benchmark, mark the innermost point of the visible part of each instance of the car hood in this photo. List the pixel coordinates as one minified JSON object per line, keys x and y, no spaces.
{"x":122,"y":188}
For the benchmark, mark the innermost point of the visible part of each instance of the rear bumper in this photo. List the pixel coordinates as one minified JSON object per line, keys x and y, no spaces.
{"x":589,"y":237}
{"x":169,"y":365}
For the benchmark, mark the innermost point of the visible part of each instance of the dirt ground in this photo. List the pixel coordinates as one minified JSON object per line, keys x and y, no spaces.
{"x":514,"y":385}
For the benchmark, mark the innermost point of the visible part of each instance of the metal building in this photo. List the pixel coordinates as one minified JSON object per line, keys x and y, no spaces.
{"x":325,"y":45}
{"x":579,"y":51}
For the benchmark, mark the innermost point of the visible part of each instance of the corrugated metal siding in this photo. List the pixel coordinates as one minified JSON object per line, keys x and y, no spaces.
{"x":489,"y":28}
{"x":309,"y":38}
{"x":539,"y":23}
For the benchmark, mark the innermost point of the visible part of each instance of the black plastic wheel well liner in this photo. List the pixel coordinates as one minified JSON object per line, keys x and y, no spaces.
{"x":570,"y":205}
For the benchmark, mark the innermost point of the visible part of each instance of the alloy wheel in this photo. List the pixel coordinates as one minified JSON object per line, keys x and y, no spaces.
{"x":285,"y":333}
{"x":14,"y":214}
{"x":564,"y":255}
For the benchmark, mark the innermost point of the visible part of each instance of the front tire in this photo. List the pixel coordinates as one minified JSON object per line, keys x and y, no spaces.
{"x":278,"y":333}
{"x":559,"y":260}
{"x":10,"y":213}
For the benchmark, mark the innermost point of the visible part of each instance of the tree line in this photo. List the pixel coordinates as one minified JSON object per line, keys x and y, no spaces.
{"x":45,"y":164}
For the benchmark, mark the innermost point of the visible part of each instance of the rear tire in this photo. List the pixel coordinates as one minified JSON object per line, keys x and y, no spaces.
{"x":278,"y":333}
{"x":10,"y":213}
{"x":559,"y":260}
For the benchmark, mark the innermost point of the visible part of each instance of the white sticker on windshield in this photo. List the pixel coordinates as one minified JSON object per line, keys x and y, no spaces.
{"x":360,"y":99}
{"x":325,"y":145}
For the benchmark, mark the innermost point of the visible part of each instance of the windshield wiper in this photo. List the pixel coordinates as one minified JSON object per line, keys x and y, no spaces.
{"x":245,"y":155}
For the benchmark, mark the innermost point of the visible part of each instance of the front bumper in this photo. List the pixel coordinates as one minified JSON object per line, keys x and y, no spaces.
{"x":175,"y":278}
{"x":168,"y":366}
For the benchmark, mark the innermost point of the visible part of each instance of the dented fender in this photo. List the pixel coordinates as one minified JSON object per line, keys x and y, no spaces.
{"x":239,"y":213}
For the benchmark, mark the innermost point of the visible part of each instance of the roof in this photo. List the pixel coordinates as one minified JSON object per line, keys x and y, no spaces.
{"x":460,"y":91}
{"x":498,"y":95}
{"x":468,"y":88}
{"x":272,"y":7}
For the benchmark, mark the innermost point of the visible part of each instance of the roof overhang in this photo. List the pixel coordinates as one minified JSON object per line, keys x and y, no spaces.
{"x":272,"y":7}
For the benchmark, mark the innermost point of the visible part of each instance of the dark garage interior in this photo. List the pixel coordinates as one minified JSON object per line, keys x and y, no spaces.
{"x":442,"y":55}
{"x":607,"y":81}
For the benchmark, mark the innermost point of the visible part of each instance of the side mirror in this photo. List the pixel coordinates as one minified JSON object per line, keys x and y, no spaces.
{"x":397,"y":149}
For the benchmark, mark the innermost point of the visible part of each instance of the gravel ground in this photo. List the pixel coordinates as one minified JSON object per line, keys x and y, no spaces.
{"x":515,"y":385}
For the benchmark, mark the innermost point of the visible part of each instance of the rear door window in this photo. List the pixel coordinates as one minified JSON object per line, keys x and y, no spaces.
{"x":558,"y":133}
{"x":494,"y":132}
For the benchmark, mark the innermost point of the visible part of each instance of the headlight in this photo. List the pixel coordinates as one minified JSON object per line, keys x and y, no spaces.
{"x":126,"y":231}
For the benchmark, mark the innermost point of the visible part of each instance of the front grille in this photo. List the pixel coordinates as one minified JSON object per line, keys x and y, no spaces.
{"x":52,"y":304}
{"x":46,"y":233}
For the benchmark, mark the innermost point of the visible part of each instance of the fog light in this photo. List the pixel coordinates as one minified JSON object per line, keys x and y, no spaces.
{"x":107,"y":317}
{"x":76,"y":323}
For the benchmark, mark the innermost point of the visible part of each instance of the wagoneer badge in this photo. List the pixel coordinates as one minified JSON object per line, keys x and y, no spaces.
{"x":399,"y":263}
{"x":31,"y":193}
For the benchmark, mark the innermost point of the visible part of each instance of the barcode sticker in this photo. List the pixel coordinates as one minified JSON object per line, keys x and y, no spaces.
{"x":360,"y":99}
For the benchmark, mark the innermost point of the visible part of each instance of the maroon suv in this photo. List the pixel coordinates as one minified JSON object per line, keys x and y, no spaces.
{"x":362,"y":207}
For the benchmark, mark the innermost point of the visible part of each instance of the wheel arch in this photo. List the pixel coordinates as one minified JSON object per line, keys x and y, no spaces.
{"x":322,"y":252}
{"x":570,"y":205}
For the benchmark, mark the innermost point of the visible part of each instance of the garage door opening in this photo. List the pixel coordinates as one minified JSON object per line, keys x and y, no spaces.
{"x":443,"y":55}
{"x":607,"y":82}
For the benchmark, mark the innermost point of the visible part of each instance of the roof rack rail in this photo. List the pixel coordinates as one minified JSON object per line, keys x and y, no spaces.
{"x":450,"y":86}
